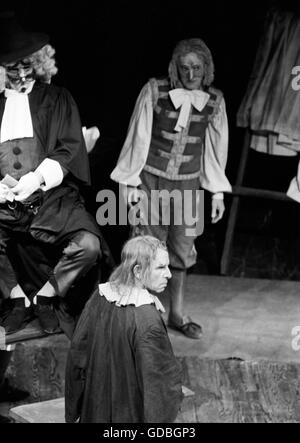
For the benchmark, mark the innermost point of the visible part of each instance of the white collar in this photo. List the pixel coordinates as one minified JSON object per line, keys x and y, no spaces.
{"x":185,"y":99}
{"x":130,"y":296}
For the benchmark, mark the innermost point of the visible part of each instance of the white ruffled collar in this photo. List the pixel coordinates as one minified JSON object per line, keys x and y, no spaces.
{"x":130,"y":296}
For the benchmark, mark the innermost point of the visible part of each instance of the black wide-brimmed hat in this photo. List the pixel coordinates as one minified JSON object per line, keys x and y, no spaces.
{"x":15,"y":42}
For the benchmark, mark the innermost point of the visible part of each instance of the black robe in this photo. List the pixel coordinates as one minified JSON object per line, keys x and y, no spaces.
{"x":57,"y":126}
{"x":121,"y":367}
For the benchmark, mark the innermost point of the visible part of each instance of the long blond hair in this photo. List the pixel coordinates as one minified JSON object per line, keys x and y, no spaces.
{"x":138,"y":251}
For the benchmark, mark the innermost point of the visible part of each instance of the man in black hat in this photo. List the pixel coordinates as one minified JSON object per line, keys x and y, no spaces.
{"x":43,"y":165}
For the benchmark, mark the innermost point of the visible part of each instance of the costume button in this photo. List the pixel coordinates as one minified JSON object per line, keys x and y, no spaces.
{"x":16,"y":150}
{"x":17,"y":165}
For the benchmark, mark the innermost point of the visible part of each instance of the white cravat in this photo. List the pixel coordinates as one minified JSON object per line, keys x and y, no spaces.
{"x":184,"y":99}
{"x":16,"y":120}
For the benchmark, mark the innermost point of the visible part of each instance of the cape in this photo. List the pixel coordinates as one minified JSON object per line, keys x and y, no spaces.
{"x":57,"y":124}
{"x":121,"y":367}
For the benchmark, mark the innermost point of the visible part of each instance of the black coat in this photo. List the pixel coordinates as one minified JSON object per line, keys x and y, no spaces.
{"x":121,"y":367}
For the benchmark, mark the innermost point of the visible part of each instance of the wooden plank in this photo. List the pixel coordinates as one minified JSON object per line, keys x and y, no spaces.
{"x":226,"y":391}
{"x":243,"y":191}
{"x":51,"y":411}
{"x":241,"y":317}
{"x":244,"y":158}
{"x":38,"y":367}
{"x":227,"y":249}
{"x":234,"y":208}
{"x":31,"y":332}
{"x":250,"y":319}
{"x":230,"y":391}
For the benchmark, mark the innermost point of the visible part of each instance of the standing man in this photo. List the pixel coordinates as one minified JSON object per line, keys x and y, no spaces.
{"x":43,"y":166}
{"x":178,"y":141}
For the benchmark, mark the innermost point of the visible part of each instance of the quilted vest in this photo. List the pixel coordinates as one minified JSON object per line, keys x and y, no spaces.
{"x":176,"y":155}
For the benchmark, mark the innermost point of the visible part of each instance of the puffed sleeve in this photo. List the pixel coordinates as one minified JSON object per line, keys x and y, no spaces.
{"x":159,"y":377}
{"x":134,"y":153}
{"x":213,"y":162}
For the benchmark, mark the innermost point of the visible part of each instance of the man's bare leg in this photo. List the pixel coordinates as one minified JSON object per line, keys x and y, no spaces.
{"x":177,"y":320}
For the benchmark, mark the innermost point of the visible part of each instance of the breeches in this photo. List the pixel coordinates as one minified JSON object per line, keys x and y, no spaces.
{"x":172,"y":220}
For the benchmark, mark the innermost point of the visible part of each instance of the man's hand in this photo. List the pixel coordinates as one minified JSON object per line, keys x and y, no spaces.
{"x":4,"y":190}
{"x":27,"y":185}
{"x":217,"y":209}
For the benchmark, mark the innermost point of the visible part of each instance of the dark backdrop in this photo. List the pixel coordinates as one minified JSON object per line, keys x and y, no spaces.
{"x":107,"y":50}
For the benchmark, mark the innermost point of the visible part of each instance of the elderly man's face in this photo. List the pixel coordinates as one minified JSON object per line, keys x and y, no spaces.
{"x":19,"y":74}
{"x":159,"y":272}
{"x":191,"y":71}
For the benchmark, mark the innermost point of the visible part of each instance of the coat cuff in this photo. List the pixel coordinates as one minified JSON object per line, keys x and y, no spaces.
{"x":218,"y":196}
{"x":293,"y":191}
{"x":51,"y":172}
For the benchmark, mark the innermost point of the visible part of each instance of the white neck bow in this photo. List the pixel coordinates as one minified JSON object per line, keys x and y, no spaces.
{"x":184,"y":99}
{"x":16,"y":120}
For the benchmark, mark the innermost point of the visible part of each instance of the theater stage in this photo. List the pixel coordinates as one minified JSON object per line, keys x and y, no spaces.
{"x":251,"y":319}
{"x":243,"y":319}
{"x":246,"y":368}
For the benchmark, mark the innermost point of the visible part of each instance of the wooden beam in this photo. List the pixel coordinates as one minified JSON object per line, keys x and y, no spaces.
{"x":234,"y":207}
{"x":31,"y":332}
{"x":260,"y":193}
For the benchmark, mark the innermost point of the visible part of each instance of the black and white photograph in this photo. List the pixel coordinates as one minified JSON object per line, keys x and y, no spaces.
{"x":150,"y":215}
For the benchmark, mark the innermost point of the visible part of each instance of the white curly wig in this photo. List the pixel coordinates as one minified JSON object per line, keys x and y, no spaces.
{"x":43,"y":63}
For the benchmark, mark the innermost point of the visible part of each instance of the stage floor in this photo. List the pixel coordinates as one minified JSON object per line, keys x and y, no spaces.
{"x":246,"y":367}
{"x":250,"y":319}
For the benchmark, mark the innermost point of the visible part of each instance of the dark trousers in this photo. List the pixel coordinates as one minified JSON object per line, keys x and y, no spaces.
{"x":79,"y":252}
{"x":4,"y":362}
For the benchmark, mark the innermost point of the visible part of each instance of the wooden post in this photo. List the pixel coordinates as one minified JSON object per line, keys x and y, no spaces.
{"x":241,"y":191}
{"x":234,"y":207}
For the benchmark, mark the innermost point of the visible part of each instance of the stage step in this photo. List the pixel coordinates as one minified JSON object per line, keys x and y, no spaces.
{"x":31,"y":332}
{"x":51,"y":411}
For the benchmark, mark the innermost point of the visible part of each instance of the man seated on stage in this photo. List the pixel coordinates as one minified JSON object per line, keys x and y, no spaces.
{"x":43,"y":166}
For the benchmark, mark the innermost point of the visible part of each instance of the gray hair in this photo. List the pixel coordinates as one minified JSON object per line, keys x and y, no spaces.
{"x":184,"y":47}
{"x":43,"y":63}
{"x":138,"y":251}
